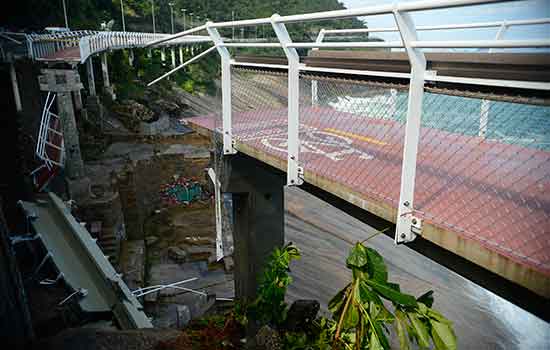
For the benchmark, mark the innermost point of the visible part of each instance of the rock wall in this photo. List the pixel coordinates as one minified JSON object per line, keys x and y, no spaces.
{"x":15,"y":323}
{"x":140,"y":183}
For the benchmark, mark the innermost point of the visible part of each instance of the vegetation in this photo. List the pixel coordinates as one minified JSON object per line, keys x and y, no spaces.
{"x":361,"y":318}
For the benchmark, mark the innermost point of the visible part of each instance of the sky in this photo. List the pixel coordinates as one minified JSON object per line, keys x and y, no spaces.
{"x":528,"y":9}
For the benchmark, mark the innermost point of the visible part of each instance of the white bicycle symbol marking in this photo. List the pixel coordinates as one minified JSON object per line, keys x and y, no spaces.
{"x":334,"y":147}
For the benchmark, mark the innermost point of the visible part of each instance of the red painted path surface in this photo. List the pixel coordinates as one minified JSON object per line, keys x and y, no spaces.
{"x":495,"y":193}
{"x":68,"y":54}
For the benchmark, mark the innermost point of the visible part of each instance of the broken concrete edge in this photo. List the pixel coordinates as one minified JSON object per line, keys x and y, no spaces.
{"x":125,"y":306}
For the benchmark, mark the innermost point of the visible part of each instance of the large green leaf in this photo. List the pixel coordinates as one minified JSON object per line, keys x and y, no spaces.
{"x":382,"y":339}
{"x":443,"y":336}
{"x":351,"y":318}
{"x":433,"y":314}
{"x":376,"y":268}
{"x":374,"y":343}
{"x":367,"y":295}
{"x":401,"y":327}
{"x":337,"y":301}
{"x":422,"y":335}
{"x":357,"y":257}
{"x":391,"y":294}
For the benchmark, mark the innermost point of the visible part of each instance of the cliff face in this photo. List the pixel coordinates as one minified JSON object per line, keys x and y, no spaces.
{"x":16,"y":329}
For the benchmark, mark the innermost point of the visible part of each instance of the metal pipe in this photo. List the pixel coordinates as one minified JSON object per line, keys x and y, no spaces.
{"x":443,"y":27}
{"x":205,"y":52}
{"x":385,"y":44}
{"x":241,"y":44}
{"x":481,"y":44}
{"x":122,"y":13}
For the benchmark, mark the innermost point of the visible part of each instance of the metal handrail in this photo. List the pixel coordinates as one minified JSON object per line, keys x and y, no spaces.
{"x":407,"y":223}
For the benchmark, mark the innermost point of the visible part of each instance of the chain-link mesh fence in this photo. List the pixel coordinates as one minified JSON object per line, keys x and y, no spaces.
{"x":483,"y":168}
{"x":259,"y":109}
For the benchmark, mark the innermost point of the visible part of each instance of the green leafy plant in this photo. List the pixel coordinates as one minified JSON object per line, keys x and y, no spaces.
{"x":362,"y":318}
{"x":269,"y":306}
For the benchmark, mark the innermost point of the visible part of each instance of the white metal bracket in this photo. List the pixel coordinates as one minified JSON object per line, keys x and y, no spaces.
{"x":406,"y":231}
{"x":228,"y":145}
{"x":294,"y":171}
{"x":218,"y":200}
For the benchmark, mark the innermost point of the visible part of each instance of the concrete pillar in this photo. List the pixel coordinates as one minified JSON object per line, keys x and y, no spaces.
{"x":181,"y":54}
{"x":77,"y":98}
{"x":131,"y":57}
{"x":258,"y":211}
{"x":108,"y":89}
{"x":162,"y":55}
{"x":15,"y":87}
{"x":64,"y":82}
{"x":90,"y":73}
{"x":173,"y":55}
{"x":74,"y":166}
{"x":105,"y":70}
{"x":149,"y":53}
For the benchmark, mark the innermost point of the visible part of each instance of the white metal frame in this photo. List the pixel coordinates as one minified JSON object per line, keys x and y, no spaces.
{"x":43,"y":135}
{"x":408,"y":226}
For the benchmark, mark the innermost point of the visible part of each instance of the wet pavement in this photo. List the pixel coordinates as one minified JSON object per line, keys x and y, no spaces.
{"x":482,"y":320}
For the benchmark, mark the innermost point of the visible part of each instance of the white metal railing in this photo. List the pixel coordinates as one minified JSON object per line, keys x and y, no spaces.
{"x":50,"y":145}
{"x":90,"y":45}
{"x":407,"y":224}
{"x":44,"y":46}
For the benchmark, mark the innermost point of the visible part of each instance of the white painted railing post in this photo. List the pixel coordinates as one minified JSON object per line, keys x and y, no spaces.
{"x":407,"y":224}
{"x":294,"y":170}
{"x":228,"y":147}
{"x":486,"y":104}
{"x":314,"y":88}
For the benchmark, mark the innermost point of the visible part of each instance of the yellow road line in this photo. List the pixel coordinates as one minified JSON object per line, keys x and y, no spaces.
{"x":355,"y":136}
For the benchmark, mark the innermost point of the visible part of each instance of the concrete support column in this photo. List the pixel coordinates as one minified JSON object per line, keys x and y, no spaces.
{"x":15,"y":87}
{"x":162,"y":55}
{"x":90,"y":73}
{"x":258,"y":211}
{"x":105,"y":70}
{"x":77,"y":98}
{"x":64,"y":82}
{"x":74,"y":166}
{"x":181,"y":54}
{"x":106,"y":82}
{"x":131,"y":57}
{"x":173,"y":55}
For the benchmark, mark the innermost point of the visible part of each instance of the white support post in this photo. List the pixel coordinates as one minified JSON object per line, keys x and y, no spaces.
{"x":131,"y":57}
{"x":91,"y":81}
{"x":173,"y":56}
{"x":314,"y":87}
{"x":408,"y":226}
{"x":105,"y":71}
{"x":486,"y":104}
{"x":228,"y":146}
{"x":181,"y":55}
{"x":162,"y":55}
{"x":15,"y":87}
{"x":294,"y":170}
{"x":218,"y":200}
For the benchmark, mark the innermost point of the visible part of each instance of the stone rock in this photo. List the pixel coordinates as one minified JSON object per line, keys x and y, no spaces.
{"x":268,"y":339}
{"x":131,"y":113}
{"x":301,"y":314}
{"x":79,"y":189}
{"x":177,"y":254}
{"x":228,"y":263}
{"x":183,"y":315}
{"x":198,"y":252}
{"x":150,"y":240}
